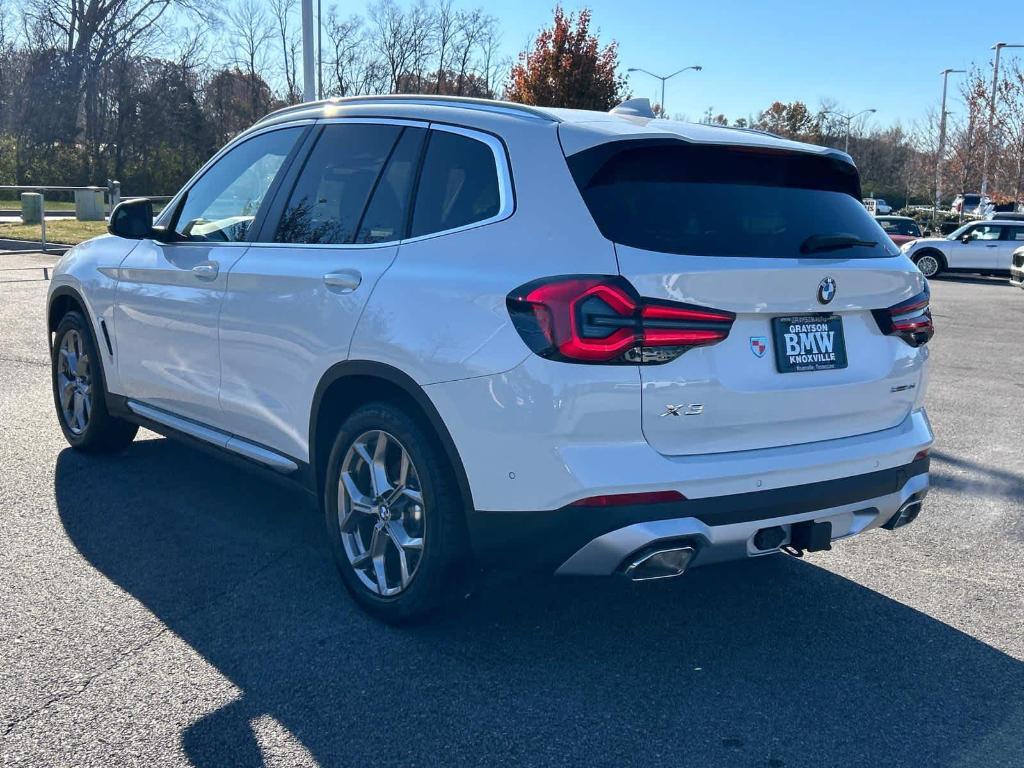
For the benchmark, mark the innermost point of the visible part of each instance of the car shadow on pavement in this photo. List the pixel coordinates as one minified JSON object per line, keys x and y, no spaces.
{"x":973,"y":478}
{"x":774,"y":662}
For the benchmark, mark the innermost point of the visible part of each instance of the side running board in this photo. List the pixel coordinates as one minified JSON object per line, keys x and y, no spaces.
{"x":229,"y":442}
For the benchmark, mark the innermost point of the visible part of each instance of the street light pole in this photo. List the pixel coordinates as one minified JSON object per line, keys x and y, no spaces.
{"x":942,"y":137}
{"x":664,"y":112}
{"x":308,"y":70}
{"x":849,"y":122}
{"x":998,"y":47}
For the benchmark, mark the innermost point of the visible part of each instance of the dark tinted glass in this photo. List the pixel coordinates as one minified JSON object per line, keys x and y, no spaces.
{"x":331,"y":192}
{"x":723,"y":201}
{"x":222,"y":204}
{"x":900,"y":227}
{"x":458,"y":184}
{"x":388,"y":213}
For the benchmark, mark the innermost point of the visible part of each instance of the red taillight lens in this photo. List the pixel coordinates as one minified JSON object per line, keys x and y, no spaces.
{"x":594,"y":319}
{"x":911,"y":320}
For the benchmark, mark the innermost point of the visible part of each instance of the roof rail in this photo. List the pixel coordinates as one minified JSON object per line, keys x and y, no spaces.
{"x":459,"y":102}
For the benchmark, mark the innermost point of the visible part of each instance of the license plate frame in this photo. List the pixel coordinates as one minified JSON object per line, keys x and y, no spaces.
{"x":811,"y":344}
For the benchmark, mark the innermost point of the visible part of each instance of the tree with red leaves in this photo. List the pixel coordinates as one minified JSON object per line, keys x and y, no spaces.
{"x":567,"y":67}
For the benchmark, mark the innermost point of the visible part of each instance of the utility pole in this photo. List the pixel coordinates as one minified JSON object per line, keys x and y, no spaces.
{"x":319,"y":52}
{"x":308,"y":72}
{"x":998,"y":47}
{"x":664,"y":112}
{"x":942,"y":137}
{"x":849,"y":122}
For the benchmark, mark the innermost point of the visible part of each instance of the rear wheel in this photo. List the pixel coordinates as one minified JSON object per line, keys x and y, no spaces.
{"x":79,"y":391}
{"x":930,"y":263}
{"x":394,"y":515}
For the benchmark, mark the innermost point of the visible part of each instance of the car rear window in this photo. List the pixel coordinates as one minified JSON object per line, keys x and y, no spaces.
{"x":702,"y":200}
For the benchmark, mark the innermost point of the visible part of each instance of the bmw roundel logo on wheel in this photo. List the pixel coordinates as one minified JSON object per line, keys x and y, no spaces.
{"x":826,"y":290}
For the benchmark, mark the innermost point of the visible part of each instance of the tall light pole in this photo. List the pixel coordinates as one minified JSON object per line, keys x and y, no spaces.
{"x":849,"y":122}
{"x":942,"y":136}
{"x":998,"y":47}
{"x":308,"y":70}
{"x":695,"y":68}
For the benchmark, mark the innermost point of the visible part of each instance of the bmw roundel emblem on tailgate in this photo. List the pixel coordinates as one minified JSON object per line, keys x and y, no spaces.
{"x":826,"y":290}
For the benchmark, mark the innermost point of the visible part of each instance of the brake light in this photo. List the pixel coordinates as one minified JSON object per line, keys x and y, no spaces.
{"x":911,"y":320}
{"x":596,"y":319}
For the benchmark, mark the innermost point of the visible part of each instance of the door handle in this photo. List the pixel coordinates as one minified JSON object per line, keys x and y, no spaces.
{"x":991,"y":246}
{"x":345,"y":280}
{"x":208,"y":270}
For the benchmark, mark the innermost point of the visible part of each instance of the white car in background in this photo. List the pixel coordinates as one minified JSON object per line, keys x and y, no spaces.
{"x":581,"y":342}
{"x":1017,"y":268}
{"x":982,"y":247}
{"x":877,"y":206}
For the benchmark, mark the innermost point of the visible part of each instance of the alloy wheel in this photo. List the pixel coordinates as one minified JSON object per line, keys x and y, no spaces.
{"x":381,"y":513}
{"x":928,"y":265}
{"x":74,"y":382}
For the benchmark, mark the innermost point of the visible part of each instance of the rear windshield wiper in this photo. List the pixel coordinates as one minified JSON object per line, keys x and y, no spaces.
{"x":833,"y":242}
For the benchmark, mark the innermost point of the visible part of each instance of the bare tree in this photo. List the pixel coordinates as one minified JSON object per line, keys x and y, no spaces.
{"x":290,"y":42}
{"x":250,"y":31}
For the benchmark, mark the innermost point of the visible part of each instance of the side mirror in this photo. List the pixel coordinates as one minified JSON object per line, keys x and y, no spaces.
{"x":132,"y":219}
{"x":927,"y":233}
{"x":965,"y":238}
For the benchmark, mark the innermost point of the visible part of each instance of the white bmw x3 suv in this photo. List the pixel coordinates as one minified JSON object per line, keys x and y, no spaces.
{"x":486,"y":333}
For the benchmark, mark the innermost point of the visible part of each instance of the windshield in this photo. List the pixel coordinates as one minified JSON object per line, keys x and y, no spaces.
{"x":956,"y":234}
{"x":704,"y":200}
{"x":900,"y":227}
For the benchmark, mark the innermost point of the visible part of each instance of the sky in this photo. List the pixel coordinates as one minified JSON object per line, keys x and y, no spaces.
{"x":885,"y":54}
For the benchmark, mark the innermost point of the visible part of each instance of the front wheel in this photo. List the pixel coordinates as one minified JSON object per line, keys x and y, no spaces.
{"x":79,"y":391}
{"x":929,"y":264}
{"x":394,"y":515}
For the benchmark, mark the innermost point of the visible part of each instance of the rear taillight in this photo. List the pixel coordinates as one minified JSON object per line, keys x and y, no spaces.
{"x":911,"y":320}
{"x":596,"y":319}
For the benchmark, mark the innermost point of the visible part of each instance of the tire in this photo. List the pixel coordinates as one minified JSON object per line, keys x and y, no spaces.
{"x":930,"y":263}
{"x":430,"y":566}
{"x":79,"y":391}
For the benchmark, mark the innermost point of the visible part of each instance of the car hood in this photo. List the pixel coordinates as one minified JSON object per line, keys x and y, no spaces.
{"x":937,"y":242}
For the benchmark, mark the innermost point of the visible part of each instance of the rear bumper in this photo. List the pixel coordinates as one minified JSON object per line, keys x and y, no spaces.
{"x":598,"y":541}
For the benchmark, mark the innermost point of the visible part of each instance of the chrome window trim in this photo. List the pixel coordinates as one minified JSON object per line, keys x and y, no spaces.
{"x":240,"y":138}
{"x":506,"y":190}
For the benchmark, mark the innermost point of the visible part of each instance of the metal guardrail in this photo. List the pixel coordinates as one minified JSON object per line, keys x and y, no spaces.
{"x":112,"y":191}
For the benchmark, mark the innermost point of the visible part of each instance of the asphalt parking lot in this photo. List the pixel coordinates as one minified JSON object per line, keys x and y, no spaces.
{"x":161,"y":608}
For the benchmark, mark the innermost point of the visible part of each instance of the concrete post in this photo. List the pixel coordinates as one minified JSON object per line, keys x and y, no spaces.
{"x":31,"y":207}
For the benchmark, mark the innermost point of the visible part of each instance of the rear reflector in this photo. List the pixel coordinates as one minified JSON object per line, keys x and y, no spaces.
{"x":627,"y":499}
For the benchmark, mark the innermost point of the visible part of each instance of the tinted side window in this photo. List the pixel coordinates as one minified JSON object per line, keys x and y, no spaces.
{"x":986,"y":232}
{"x":222,"y":204}
{"x":332,"y":190}
{"x":1014,"y":233}
{"x":387,"y":215}
{"x":458,"y":184}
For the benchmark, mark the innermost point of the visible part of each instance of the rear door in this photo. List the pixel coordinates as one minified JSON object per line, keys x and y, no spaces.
{"x":294,"y":298}
{"x":738,"y":229}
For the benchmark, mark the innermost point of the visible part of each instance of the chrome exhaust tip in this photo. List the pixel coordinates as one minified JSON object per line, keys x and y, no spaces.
{"x":907,"y":513}
{"x":658,"y":563}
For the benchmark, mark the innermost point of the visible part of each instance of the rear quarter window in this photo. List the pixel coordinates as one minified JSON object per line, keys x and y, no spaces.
{"x":702,"y":200}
